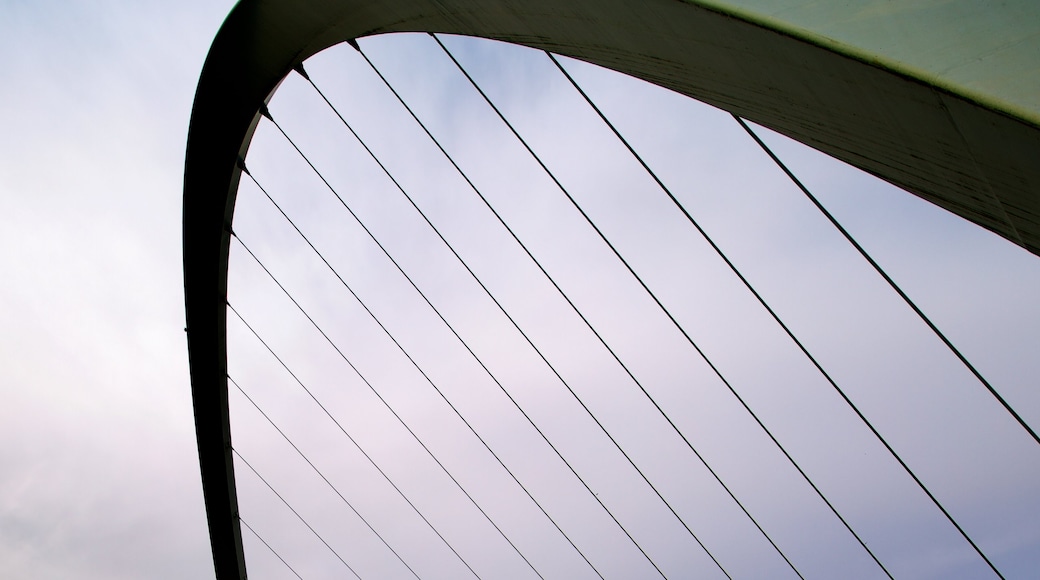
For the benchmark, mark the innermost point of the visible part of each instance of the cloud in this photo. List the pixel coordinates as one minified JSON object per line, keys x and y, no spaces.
{"x":102,"y":481}
{"x":100,"y":472}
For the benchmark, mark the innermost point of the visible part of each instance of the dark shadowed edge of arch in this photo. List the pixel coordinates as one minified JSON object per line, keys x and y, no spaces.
{"x":979,"y":163}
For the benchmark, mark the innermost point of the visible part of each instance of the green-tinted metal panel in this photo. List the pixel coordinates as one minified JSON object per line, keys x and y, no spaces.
{"x":988,"y":51}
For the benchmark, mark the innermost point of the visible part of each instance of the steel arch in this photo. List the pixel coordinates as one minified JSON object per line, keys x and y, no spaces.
{"x":958,"y":151}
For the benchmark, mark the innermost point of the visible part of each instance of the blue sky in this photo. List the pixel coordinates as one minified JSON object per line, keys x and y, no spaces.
{"x":100,"y":477}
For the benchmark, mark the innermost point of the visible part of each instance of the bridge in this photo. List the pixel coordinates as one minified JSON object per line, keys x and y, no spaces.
{"x":957,"y":125}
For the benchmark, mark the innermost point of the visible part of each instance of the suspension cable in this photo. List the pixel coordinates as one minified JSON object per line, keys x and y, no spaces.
{"x":601,"y":235}
{"x":892,"y":283}
{"x":296,"y":513}
{"x":689,"y":339}
{"x":389,"y":408}
{"x":895,"y":455}
{"x":555,"y":285}
{"x":352,"y":440}
{"x":491,"y":375}
{"x":683,"y":331}
{"x":277,"y":555}
{"x":746,"y":283}
{"x":321,"y":475}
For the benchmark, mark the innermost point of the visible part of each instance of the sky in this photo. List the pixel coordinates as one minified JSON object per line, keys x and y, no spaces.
{"x":100,"y":475}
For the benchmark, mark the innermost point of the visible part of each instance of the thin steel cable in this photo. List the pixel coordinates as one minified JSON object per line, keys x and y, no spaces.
{"x":593,"y":225}
{"x":358,"y":446}
{"x":524,"y":335}
{"x":895,"y":455}
{"x":321,"y":475}
{"x":548,"y":277}
{"x":1007,"y":406}
{"x":515,"y":325}
{"x":478,"y":360}
{"x":747,"y":284}
{"x":277,"y":555}
{"x":296,"y":513}
{"x":394,"y":412}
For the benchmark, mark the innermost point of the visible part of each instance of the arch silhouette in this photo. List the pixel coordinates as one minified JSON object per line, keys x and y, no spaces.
{"x":969,"y":153}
